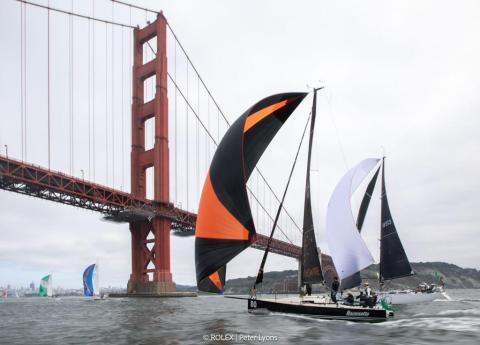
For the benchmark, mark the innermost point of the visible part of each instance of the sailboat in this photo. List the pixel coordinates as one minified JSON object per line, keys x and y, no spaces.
{"x":46,"y":289}
{"x":225,"y":224}
{"x":349,"y":252}
{"x":91,"y":286}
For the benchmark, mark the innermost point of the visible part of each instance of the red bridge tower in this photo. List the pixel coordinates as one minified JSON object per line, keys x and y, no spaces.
{"x":156,"y":158}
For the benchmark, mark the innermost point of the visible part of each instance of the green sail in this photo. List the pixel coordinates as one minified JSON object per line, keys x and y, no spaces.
{"x":45,"y":286}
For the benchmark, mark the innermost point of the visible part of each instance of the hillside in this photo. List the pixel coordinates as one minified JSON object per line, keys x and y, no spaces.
{"x":286,"y":281}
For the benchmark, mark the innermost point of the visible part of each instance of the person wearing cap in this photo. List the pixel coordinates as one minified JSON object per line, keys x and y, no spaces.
{"x":368,"y":291}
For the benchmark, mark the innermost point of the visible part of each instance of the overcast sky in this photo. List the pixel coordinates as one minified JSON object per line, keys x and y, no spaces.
{"x":398,"y":75}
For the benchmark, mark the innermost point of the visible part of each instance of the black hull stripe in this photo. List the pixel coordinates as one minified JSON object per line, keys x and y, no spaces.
{"x":332,"y":313}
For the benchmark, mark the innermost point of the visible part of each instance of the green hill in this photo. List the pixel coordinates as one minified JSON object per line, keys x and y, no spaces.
{"x":286,"y":281}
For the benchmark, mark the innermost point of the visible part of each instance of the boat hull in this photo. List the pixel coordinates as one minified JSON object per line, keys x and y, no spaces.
{"x":411,"y":297}
{"x":323,"y":311}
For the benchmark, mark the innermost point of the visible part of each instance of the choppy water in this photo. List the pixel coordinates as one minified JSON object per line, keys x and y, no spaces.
{"x":191,"y":320}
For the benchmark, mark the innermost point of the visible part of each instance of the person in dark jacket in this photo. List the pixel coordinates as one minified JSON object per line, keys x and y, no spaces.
{"x":308,"y":289}
{"x":350,"y":300}
{"x":335,"y":286}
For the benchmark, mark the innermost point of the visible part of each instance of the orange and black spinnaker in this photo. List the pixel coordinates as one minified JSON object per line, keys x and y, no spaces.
{"x":215,"y":281}
{"x":224,"y":222}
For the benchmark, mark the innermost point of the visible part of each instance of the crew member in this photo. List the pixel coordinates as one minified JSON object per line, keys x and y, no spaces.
{"x":350,"y":300}
{"x":335,"y":286}
{"x":368,"y":291}
{"x":308,"y":289}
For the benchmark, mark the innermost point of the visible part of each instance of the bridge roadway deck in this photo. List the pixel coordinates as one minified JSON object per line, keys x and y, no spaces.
{"x":115,"y":205}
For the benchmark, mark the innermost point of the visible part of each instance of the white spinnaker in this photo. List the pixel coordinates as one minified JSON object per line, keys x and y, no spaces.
{"x":347,"y":248}
{"x":95,"y":282}
{"x":49,"y":286}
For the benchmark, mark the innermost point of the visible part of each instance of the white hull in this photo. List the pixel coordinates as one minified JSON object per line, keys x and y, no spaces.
{"x":410,"y":297}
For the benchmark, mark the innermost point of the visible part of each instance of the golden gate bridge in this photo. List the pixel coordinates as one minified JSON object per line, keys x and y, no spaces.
{"x":125,"y":84}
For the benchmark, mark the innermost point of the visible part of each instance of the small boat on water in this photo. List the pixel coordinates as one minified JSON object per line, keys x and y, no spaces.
{"x":349,"y":252}
{"x":46,"y":289}
{"x":225,"y":225}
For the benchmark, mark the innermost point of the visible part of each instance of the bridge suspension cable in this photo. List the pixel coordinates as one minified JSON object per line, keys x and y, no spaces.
{"x":220,"y":112}
{"x":54,"y":9}
{"x":188,"y":86}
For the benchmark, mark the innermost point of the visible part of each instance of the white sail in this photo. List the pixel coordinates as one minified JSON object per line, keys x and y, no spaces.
{"x":347,"y":248}
{"x":96,"y":284}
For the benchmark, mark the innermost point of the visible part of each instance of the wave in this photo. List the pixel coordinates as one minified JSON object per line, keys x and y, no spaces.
{"x":476,"y":300}
{"x":310,"y":318}
{"x":450,"y":313}
{"x":466,"y":324}
{"x":460,"y":313}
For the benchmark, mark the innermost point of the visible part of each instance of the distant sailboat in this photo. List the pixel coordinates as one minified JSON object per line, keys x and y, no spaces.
{"x":91,"y":286}
{"x":46,"y":289}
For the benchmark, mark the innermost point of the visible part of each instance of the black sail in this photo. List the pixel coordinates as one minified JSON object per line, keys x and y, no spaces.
{"x":356,"y":279}
{"x":224,"y":225}
{"x":366,"y":201}
{"x":311,"y":271}
{"x":393,"y":260}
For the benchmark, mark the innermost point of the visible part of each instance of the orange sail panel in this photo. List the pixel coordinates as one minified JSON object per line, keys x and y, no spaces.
{"x":214,"y":220}
{"x":224,"y":222}
{"x":215,"y":282}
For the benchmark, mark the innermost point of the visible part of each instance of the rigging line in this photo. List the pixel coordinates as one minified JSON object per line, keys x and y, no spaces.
{"x":218,"y":120}
{"x":113,"y":98}
{"x":189,"y":106}
{"x":48,"y":83}
{"x":135,"y":6}
{"x":70,"y":93}
{"x":25,"y":77}
{"x":336,"y":130}
{"x":74,"y":14}
{"x":223,"y":116}
{"x":218,"y":125}
{"x":21,"y":75}
{"x":176,"y":124}
{"x":106,"y":101}
{"x":268,"y":215}
{"x":123,"y":109}
{"x":186,"y":137}
{"x":198,"y":143}
{"x":130,"y":77}
{"x":206,"y":138}
{"x":73,"y":94}
{"x":214,"y":141}
{"x":257,"y":194}
{"x":267,"y":249}
{"x":198,"y":74}
{"x":207,"y":159}
{"x":89,"y":100}
{"x":93,"y":92}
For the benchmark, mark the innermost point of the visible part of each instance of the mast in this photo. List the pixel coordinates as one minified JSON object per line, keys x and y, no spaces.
{"x":393,"y":259}
{"x":310,"y":268}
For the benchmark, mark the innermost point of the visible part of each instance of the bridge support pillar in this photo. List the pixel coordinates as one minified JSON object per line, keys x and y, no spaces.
{"x":150,"y":238}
